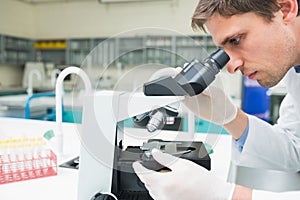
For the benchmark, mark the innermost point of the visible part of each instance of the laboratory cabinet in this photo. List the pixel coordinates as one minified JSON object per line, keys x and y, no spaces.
{"x":138,"y":50}
{"x":130,"y":50}
{"x":143,"y":50}
{"x":170,"y":50}
{"x":195,"y":47}
{"x":71,"y":52}
{"x":160,"y":49}
{"x":77,"y":50}
{"x":15,"y":50}
{"x":52,"y":51}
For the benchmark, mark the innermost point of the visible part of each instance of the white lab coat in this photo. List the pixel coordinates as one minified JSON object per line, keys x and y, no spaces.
{"x":278,"y":146}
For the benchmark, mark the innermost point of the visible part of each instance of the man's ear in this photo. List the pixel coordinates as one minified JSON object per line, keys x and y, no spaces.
{"x":289,"y":9}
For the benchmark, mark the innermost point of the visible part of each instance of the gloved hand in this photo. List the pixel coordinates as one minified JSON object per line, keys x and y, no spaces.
{"x":187,"y":180}
{"x":168,"y":71}
{"x":212,"y":104}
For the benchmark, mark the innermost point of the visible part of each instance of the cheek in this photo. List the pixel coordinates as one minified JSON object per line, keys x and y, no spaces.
{"x":283,"y":52}
{"x":262,"y":51}
{"x":278,"y":48}
{"x":264,"y":44}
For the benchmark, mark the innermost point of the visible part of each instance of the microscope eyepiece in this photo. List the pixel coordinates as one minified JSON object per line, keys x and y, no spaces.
{"x":220,"y":57}
{"x":192,"y":80}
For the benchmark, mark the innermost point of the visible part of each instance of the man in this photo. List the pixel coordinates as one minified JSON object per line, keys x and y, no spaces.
{"x":262,"y":39}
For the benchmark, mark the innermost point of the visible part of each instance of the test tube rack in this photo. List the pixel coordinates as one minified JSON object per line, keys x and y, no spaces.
{"x":25,"y":159}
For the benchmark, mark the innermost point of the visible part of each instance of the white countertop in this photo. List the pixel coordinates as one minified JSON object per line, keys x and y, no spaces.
{"x":64,"y":185}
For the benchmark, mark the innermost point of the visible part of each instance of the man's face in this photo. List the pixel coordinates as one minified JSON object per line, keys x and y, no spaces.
{"x":261,"y":50}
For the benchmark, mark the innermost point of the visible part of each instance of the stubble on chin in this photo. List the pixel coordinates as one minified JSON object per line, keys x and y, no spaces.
{"x":271,"y":80}
{"x":266,"y":84}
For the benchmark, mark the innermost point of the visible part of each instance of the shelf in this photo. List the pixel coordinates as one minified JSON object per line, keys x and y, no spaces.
{"x":15,"y":50}
{"x":129,"y":51}
{"x":50,"y":45}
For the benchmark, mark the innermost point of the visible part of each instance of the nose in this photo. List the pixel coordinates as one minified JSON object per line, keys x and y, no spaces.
{"x":234,"y":64}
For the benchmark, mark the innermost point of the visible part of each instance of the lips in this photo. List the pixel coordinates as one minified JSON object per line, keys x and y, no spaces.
{"x":252,"y":75}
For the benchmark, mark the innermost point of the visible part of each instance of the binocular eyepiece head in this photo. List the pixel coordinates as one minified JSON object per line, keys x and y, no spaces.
{"x":192,"y":80}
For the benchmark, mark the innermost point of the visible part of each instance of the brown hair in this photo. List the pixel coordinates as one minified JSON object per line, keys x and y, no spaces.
{"x":206,"y":8}
{"x":298,"y":1}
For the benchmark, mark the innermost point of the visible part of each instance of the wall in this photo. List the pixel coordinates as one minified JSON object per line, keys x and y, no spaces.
{"x":17,"y":19}
{"x":93,"y":19}
{"x":10,"y":75}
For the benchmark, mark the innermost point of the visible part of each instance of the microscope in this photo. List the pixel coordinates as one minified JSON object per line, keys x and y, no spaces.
{"x":105,"y":168}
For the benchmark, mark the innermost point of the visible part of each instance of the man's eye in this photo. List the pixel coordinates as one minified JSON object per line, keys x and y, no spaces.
{"x":235,"y":41}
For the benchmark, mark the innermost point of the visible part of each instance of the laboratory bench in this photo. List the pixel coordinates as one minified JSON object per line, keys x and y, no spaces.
{"x":4,"y":91}
{"x":61,"y":186}
{"x":64,"y":184}
{"x":14,"y":106}
{"x":16,"y":90}
{"x":39,"y":108}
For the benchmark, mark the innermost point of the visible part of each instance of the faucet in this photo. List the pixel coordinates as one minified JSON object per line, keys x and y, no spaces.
{"x":58,"y":99}
{"x":54,"y":74}
{"x":38,"y":74}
